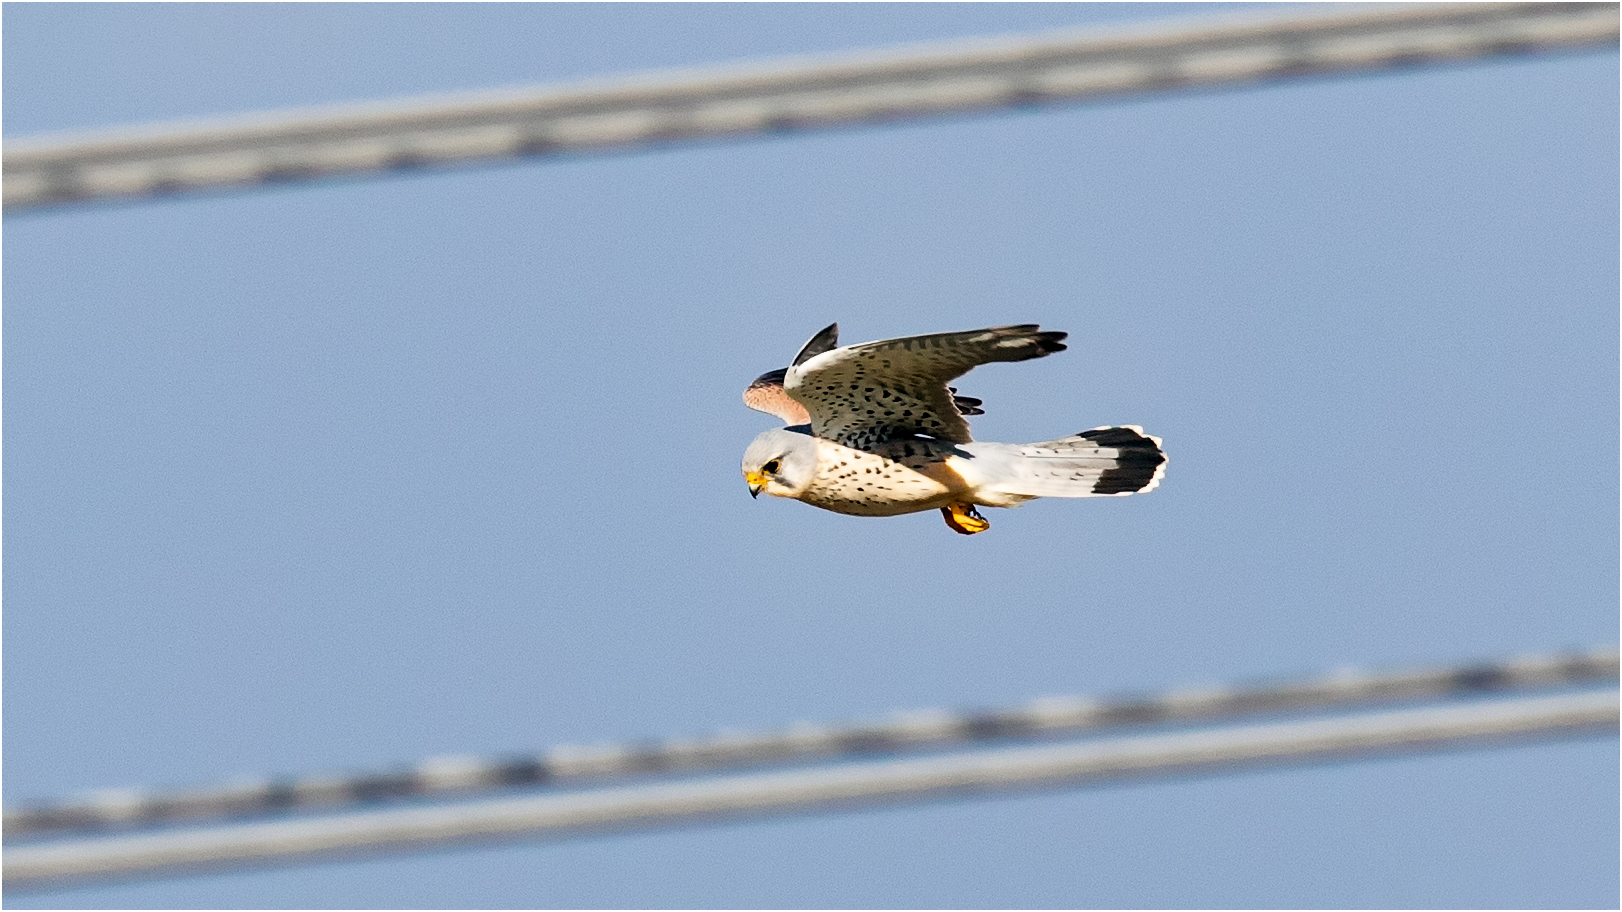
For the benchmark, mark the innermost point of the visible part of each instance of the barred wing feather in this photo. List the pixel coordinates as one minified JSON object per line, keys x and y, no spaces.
{"x":864,"y":395}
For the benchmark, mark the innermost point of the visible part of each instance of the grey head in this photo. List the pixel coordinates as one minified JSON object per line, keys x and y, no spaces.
{"x":781,"y":462}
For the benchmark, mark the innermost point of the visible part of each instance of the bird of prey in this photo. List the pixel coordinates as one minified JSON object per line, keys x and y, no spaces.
{"x":874,"y":430}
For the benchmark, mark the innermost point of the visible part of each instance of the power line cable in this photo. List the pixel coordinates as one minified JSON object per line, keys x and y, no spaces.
{"x":828,"y":788}
{"x":915,"y":731}
{"x":789,"y":95}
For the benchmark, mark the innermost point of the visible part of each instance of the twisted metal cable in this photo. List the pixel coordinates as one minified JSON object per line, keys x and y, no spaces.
{"x":819,"y":788}
{"x":563,"y":766}
{"x":785,"y":96}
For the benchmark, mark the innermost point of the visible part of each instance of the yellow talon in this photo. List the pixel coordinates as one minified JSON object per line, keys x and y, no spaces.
{"x":964,"y":518}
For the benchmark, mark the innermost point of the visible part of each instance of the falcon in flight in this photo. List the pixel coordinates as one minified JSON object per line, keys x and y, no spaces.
{"x":873,"y":430}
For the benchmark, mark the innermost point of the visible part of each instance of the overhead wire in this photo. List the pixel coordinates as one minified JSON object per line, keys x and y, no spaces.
{"x":837,"y":787}
{"x":799,"y":94}
{"x":463,"y":777}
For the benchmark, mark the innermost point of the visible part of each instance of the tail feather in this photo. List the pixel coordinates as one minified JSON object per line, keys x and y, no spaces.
{"x":1101,"y":462}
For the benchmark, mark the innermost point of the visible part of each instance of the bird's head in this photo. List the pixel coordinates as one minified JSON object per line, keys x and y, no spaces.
{"x":781,"y":463}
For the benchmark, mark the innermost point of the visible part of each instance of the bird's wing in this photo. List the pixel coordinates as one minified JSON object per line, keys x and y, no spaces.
{"x":767,"y":395}
{"x":824,"y":341}
{"x":863,"y":395}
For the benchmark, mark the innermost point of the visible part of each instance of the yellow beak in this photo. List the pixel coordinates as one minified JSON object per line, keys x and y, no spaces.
{"x":757,"y":483}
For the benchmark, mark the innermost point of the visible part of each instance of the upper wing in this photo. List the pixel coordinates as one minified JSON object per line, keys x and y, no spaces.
{"x":862,"y":395}
{"x":767,"y":395}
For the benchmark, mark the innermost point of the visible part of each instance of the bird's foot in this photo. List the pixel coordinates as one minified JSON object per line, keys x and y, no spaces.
{"x":964,"y":518}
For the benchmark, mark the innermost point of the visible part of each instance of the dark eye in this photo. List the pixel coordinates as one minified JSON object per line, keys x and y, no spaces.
{"x":771,"y":467}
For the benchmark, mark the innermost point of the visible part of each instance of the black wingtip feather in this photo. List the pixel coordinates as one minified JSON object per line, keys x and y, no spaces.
{"x":825,"y":341}
{"x":771,"y":378}
{"x":1027,"y":341}
{"x":966,"y":405}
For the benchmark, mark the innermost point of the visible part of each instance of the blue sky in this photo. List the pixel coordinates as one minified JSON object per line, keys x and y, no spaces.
{"x":336,"y":477}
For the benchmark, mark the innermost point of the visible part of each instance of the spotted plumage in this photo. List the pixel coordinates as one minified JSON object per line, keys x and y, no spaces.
{"x":767,"y":395}
{"x":874,"y":430}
